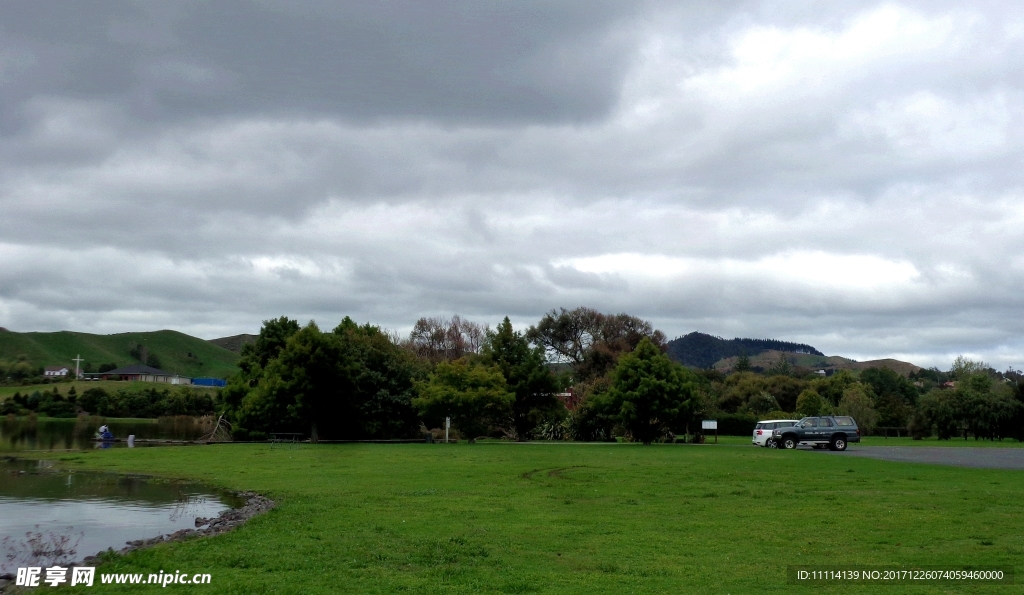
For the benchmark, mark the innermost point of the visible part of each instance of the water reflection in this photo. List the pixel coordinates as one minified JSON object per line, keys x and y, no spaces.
{"x":54,"y":516}
{"x":21,"y":434}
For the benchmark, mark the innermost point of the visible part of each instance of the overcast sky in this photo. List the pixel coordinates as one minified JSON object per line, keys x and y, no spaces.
{"x":848,"y":177}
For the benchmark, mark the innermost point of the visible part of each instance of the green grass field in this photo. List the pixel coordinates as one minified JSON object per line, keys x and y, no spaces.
{"x":574,"y":518}
{"x":173,"y":349}
{"x":80,"y":386}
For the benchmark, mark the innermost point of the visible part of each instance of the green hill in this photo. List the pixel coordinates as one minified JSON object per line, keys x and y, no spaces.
{"x":178,"y":353}
{"x":770,"y":358}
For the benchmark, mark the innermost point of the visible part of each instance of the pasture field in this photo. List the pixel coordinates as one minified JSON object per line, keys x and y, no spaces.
{"x":179,"y":353}
{"x":573,"y":518}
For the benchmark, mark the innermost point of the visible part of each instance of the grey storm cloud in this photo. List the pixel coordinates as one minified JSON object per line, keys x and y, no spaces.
{"x":504,"y":61}
{"x":846,"y":177}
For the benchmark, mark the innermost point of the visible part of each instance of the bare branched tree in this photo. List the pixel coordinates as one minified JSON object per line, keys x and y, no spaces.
{"x":446,"y":339}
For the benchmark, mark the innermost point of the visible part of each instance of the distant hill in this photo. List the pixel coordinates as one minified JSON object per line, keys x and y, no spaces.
{"x":234,"y":343}
{"x":701,"y":350}
{"x":178,"y":353}
{"x":767,"y":359}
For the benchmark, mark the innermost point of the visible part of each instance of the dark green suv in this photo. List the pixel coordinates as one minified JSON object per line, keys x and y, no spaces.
{"x":833,"y":431}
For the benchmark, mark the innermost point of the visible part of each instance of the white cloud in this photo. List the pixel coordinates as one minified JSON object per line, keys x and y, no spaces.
{"x":925,"y":126}
{"x":811,"y":270}
{"x":769,"y":61}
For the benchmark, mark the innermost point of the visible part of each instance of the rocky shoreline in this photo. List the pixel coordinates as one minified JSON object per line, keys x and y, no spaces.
{"x":255,"y":504}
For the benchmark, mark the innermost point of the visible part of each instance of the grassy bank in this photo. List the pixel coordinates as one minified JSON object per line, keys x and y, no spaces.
{"x":546,"y":518}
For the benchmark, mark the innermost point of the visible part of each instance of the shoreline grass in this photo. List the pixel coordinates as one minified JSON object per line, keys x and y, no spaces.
{"x":496,"y":518}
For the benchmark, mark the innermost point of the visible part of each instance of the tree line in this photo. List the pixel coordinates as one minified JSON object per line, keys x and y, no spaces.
{"x":124,"y":402}
{"x":576,"y":374}
{"x":359,"y":381}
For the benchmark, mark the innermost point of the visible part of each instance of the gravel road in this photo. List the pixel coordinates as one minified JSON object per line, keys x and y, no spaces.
{"x":989,"y":458}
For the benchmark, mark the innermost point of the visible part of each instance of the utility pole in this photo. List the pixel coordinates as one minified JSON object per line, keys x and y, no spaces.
{"x":447,"y":424}
{"x":78,"y":360}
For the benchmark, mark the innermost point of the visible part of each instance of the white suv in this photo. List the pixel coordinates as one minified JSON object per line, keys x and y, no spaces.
{"x":763,"y":430}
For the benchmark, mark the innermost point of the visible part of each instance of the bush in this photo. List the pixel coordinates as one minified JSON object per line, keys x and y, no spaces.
{"x":591,"y":421}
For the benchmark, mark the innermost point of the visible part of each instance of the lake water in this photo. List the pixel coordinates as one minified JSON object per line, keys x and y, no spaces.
{"x":49,"y":516}
{"x":25,"y":434}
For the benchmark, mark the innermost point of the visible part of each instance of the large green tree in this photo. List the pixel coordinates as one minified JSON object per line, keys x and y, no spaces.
{"x":832,"y":388}
{"x":857,"y":403}
{"x":271,"y":340}
{"x":894,"y":395}
{"x":650,"y":393}
{"x":527,"y":376}
{"x":474,"y":395}
{"x":811,"y":404}
{"x":384,"y":380}
{"x":590,"y":341}
{"x":305,"y":387}
{"x":351,"y":383}
{"x":254,"y":358}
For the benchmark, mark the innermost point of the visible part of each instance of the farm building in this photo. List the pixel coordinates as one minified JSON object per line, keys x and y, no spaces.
{"x":56,"y":371}
{"x":144,"y":374}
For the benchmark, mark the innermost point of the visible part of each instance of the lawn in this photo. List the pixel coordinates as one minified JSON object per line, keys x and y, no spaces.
{"x":574,"y":518}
